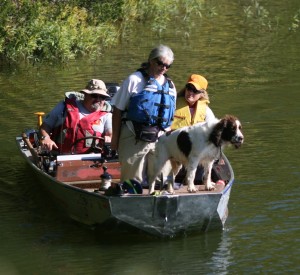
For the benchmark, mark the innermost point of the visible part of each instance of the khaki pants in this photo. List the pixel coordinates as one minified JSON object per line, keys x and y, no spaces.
{"x":134,"y":156}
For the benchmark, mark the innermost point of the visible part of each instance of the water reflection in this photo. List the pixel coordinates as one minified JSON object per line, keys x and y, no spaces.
{"x":203,"y":254}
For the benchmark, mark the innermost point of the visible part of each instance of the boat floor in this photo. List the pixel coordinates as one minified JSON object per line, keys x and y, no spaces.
{"x":85,"y":174}
{"x":94,"y":187}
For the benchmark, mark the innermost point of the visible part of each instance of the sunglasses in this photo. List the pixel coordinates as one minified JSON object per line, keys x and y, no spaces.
{"x":95,"y":96}
{"x":160,"y":63}
{"x":191,"y":88}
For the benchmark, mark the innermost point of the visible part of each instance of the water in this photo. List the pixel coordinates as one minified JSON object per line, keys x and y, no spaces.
{"x":253,"y":74}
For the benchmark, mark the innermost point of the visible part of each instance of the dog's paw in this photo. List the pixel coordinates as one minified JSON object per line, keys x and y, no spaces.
{"x":192,"y":189}
{"x":210,"y":186}
{"x":171,"y":192}
{"x":170,"y":189}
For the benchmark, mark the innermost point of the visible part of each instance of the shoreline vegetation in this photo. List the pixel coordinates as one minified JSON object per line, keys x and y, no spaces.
{"x":62,"y":30}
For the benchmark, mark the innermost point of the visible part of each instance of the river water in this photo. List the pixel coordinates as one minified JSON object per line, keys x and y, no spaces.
{"x":253,"y":73}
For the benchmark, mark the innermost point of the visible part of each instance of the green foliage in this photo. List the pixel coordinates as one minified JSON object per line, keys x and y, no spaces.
{"x":160,"y":14}
{"x":259,"y":15}
{"x":34,"y":31}
{"x":61,"y":30}
{"x":43,"y":30}
{"x":295,"y":22}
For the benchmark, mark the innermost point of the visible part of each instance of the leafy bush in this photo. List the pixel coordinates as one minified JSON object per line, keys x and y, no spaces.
{"x":38,"y":30}
{"x":32,"y":30}
{"x":295,"y":22}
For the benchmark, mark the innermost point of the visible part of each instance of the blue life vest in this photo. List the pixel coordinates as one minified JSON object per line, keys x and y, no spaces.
{"x":154,"y":105}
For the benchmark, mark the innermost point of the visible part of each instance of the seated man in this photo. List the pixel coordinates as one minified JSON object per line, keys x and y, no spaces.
{"x":67,"y":127}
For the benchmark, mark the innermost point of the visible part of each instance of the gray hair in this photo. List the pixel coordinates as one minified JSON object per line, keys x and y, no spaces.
{"x":162,"y":51}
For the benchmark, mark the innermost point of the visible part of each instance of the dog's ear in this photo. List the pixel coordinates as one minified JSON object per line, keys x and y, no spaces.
{"x":224,"y":130}
{"x":230,"y":127}
{"x":216,"y":135}
{"x":230,"y":119}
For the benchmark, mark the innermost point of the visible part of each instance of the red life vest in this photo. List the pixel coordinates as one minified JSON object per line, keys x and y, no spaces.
{"x":75,"y":128}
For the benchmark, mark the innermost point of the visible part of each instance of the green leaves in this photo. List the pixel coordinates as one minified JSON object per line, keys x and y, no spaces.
{"x":52,"y":30}
{"x":37,"y":31}
{"x":295,"y":22}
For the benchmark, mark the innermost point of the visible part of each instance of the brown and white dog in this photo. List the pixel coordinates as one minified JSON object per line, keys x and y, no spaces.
{"x":200,"y":144}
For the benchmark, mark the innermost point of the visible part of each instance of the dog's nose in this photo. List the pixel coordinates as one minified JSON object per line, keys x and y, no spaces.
{"x":240,"y":138}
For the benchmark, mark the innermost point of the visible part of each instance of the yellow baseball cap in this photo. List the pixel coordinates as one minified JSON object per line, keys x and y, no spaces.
{"x":198,"y":81}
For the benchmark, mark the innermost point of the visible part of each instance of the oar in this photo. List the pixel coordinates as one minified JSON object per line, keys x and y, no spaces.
{"x":31,"y":149}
